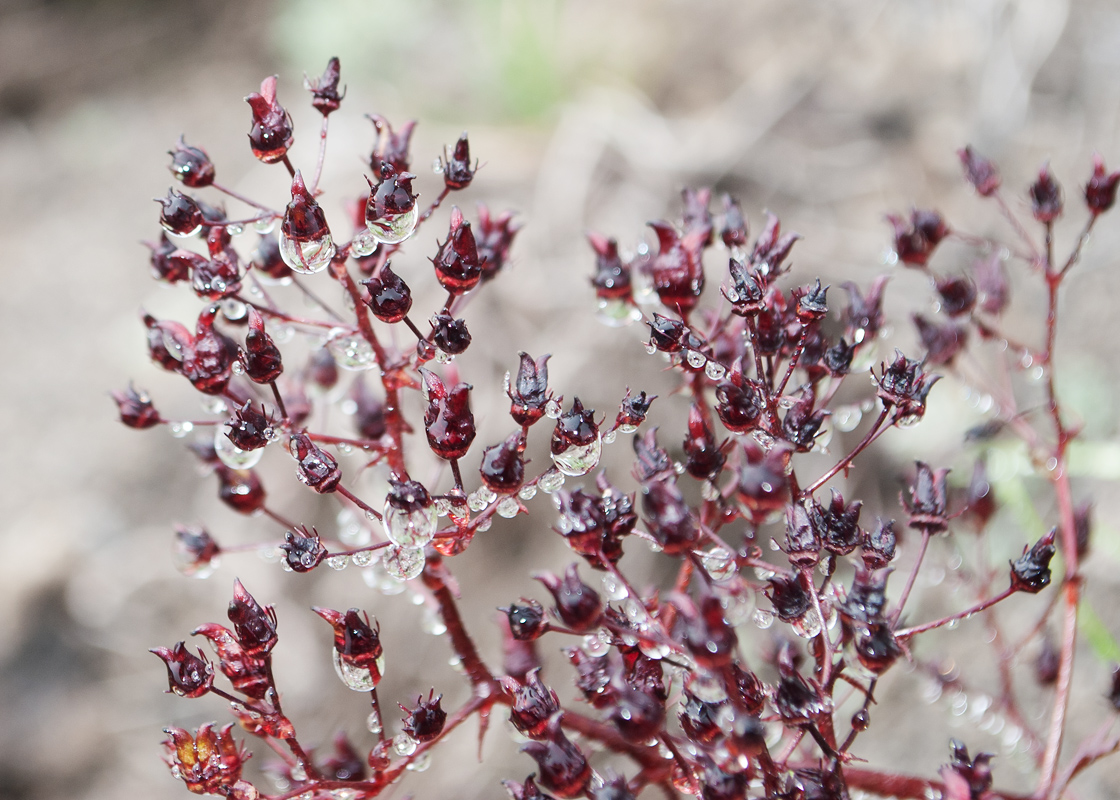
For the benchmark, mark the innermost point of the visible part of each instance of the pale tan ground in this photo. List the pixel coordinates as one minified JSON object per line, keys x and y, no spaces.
{"x":586,"y":115}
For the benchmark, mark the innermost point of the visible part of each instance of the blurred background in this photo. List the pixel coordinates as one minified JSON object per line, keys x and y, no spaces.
{"x":586,"y":116}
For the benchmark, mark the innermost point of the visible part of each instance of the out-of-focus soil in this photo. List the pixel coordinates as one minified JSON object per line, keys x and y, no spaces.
{"x":586,"y":116}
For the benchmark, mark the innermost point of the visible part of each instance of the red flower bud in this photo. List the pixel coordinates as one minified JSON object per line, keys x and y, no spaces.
{"x":302,"y":549}
{"x":324,"y":91}
{"x":247,"y":674}
{"x":448,"y":421}
{"x":526,"y":620}
{"x":1100,"y":191}
{"x":254,"y":626}
{"x":425,"y":722}
{"x":494,"y":238}
{"x":188,"y":675}
{"x":458,"y":172}
{"x":1046,"y":196}
{"x":980,"y":172}
{"x":915,"y":242}
{"x":577,"y":605}
{"x":533,"y":704}
{"x":529,"y":392}
{"x":563,"y":767}
{"x":1031,"y":572}
{"x":389,"y":296}
{"x":136,"y":408}
{"x":271,"y":134}
{"x":179,"y":214}
{"x":315,"y":467}
{"x":390,"y":148}
{"x":457,"y":263}
{"x":208,"y":762}
{"x":191,"y":165}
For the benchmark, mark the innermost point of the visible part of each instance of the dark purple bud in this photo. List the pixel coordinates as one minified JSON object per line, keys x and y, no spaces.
{"x":1083,"y":527}
{"x":254,"y":626}
{"x":267,"y":259}
{"x":526,"y":620}
{"x":879,"y":544}
{"x":389,"y":296}
{"x":448,"y":422}
{"x":563,"y":767}
{"x":533,"y":704}
{"x":322,"y":368}
{"x":527,"y":791}
{"x":355,"y":640}
{"x":876,"y":647}
{"x":262,"y":360}
{"x":188,"y":675}
{"x":652,"y":463}
{"x":980,"y":501}
{"x":529,"y":392}
{"x":696,"y":216}
{"x":801,"y":423}
{"x":942,"y":341}
{"x":739,"y":401}
{"x":770,"y":332}
{"x":745,"y":293}
{"x":837,"y":359}
{"x":451,"y":335}
{"x":837,"y":524}
{"x":705,"y":458}
{"x":812,"y":303}
{"x":867,"y":598}
{"x":241,"y":490}
{"x":271,"y":134}
{"x":904,"y":385}
{"x":1046,"y":196}
{"x":750,"y":690}
{"x":209,"y":363}
{"x":958,"y":295}
{"x":796,"y":698}
{"x":980,"y":172}
{"x":698,"y":719}
{"x":247,"y":674}
{"x":458,"y":172}
{"x":324,"y":90}
{"x":1031,"y":572}
{"x":250,"y":429}
{"x":771,"y":248}
{"x":707,"y":634}
{"x":928,"y":499}
{"x":457,"y":263}
{"x":195,"y":550}
{"x":669,"y":518}
{"x":593,"y":676}
{"x":864,"y":315}
{"x":666,"y":333}
{"x":390,"y":148}
{"x":803,"y":542}
{"x":719,"y":784}
{"x":494,"y":239}
{"x":632,"y":411}
{"x":315,"y":467}
{"x":305,"y":242}
{"x":915,"y":241}
{"x":136,"y":408}
{"x":425,"y":722}
{"x":369,"y":416}
{"x":191,"y":165}
{"x":575,"y":428}
{"x":677,"y":270}
{"x":791,"y":600}
{"x":733,"y":231}
{"x":637,"y":715}
{"x":169,"y":263}
{"x":612,"y":278}
{"x":613,"y":787}
{"x":1047,"y":664}
{"x":763,"y":486}
{"x":302,"y":549}
{"x":1100,"y":191}
{"x":972,"y":776}
{"x":179,"y":214}
{"x":503,"y":465}
{"x":577,"y":605}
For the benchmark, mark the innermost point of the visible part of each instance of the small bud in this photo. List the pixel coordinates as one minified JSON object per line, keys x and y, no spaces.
{"x":801,"y":423}
{"x":563,"y":767}
{"x":980,"y":172}
{"x":905,"y":386}
{"x":575,"y":428}
{"x":763,"y":486}
{"x":271,"y":134}
{"x":1083,"y":527}
{"x":705,"y":457}
{"x":838,"y":524}
{"x":267,"y":259}
{"x":136,"y":409}
{"x":866,"y":599}
{"x":812,"y":303}
{"x":668,"y":517}
{"x":942,"y":341}
{"x":315,"y":467}
{"x":1048,"y":662}
{"x":637,"y":715}
{"x":457,"y":172}
{"x":533,"y":704}
{"x":1046,"y":196}
{"x":389,"y":296}
{"x":666,"y":333}
{"x":344,"y":764}
{"x":879,"y":545}
{"x":733,"y":231}
{"x":526,"y":620}
{"x":796,"y":698}
{"x":324,"y":91}
{"x":494,"y":238}
{"x":739,"y":401}
{"x":248,"y":675}
{"x":209,"y":762}
{"x":1100,"y":191}
{"x":425,"y":722}
{"x":527,"y":791}
{"x":302,"y":549}
{"x":241,"y":490}
{"x":323,"y":369}
{"x":195,"y":550}
{"x":593,"y":676}
{"x":991,"y":283}
{"x":188,"y":675}
{"x":696,"y":217}
{"x":771,"y":248}
{"x":612,"y":278}
{"x":746,"y":289}
{"x":457,"y":263}
{"x":803,"y":543}
{"x":791,"y":600}
{"x":914,"y":242}
{"x":1031,"y":572}
{"x":632,"y":411}
{"x":254,"y":626}
{"x":448,"y":422}
{"x":391,"y":208}
{"x":250,"y":429}
{"x":965,"y":776}
{"x":677,"y":269}
{"x":355,"y":640}
{"x":208,"y":362}
{"x":503,"y":465}
{"x":391,"y":148}
{"x":837,"y":359}
{"x":305,"y":238}
{"x":451,"y":335}
{"x":529,"y":392}
{"x":876,"y":647}
{"x":191,"y":165}
{"x":577,"y":605}
{"x":958,"y":295}
{"x":698,"y":719}
{"x":179,"y":214}
{"x":928,"y":499}
{"x":369,"y":417}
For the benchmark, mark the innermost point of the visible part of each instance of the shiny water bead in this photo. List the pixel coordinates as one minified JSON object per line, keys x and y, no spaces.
{"x":719,"y":563}
{"x":307,"y":257}
{"x":265,"y":224}
{"x":404,"y":744}
{"x":358,"y":679}
{"x":617,"y":313}
{"x":350,"y":349}
{"x":363,"y":558}
{"x":394,"y":228}
{"x":550,"y":481}
{"x":695,"y":359}
{"x":231,"y":455}
{"x":508,"y":508}
{"x":403,"y":563}
{"x":363,"y":244}
{"x":577,"y":459}
{"x":528,"y":492}
{"x":338,"y":563}
{"x":409,"y":516}
{"x":714,"y":370}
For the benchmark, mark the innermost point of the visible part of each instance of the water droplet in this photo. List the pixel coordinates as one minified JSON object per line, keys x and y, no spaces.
{"x":651,"y":348}
{"x":338,"y":562}
{"x":1037,"y":373}
{"x":579,"y":459}
{"x":695,"y":359}
{"x":437,"y":165}
{"x":264,"y":224}
{"x":373,"y":723}
{"x":394,"y":228}
{"x":715,"y":370}
{"x":359,"y":679}
{"x":409,"y":529}
{"x":404,"y":744}
{"x":614,"y":588}
{"x":617,"y":313}
{"x":528,"y":492}
{"x":363,"y":558}
{"x":509,"y":507}
{"x":432,"y":622}
{"x":847,"y":418}
{"x":237,"y":368}
{"x":610,"y":436}
{"x":763,"y":618}
{"x":484,"y":524}
{"x":233,"y":309}
{"x":362,"y":244}
{"x":403,"y":563}
{"x":550,"y":481}
{"x":475,"y":502}
{"x":307,"y":258}
{"x":807,"y":625}
{"x":627,"y":428}
{"x":707,"y":687}
{"x":350,"y":350}
{"x":552,"y":409}
{"x":421,"y":763}
{"x":594,"y":645}
{"x":231,"y":455}
{"x":719,"y":563}
{"x":909,"y":420}
{"x":235,"y":229}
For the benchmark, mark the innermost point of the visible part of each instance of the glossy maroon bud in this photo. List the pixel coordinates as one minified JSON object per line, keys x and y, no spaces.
{"x":254,"y":626}
{"x":188,"y":675}
{"x":593,"y":676}
{"x":915,"y":241}
{"x":733,"y":230}
{"x":575,"y":428}
{"x":324,"y":90}
{"x":448,"y":421}
{"x":927,"y":499}
{"x":812,"y":303}
{"x":389,"y":296}
{"x":837,"y":360}
{"x":669,"y":518}
{"x":739,"y":401}
{"x":323,"y":369}
{"x":450,"y":334}
{"x":763,"y":486}
{"x":494,"y":238}
{"x":355,"y":640}
{"x":1047,"y":664}
{"x":305,"y":238}
{"x":791,"y":600}
{"x":719,"y":784}
{"x":666,"y":333}
{"x":503,"y":465}
{"x":533,"y":704}
{"x":796,"y":698}
{"x":771,"y":248}
{"x":179,"y":214}
{"x":344,"y":763}
{"x":526,"y":620}
{"x":209,"y":362}
{"x":958,"y":295}
{"x":209,"y":762}
{"x":391,"y":207}
{"x":677,"y":270}
{"x":652,"y":462}
{"x":261,"y":358}
{"x":302,"y":549}
{"x":746,"y":290}
{"x":876,"y":647}
{"x":425,"y":722}
{"x":980,"y":172}
{"x":1031,"y":572}
{"x":612,"y":277}
{"x":942,"y":341}
{"x":250,"y":429}
{"x":770,"y":333}
{"x":136,"y":409}
{"x":750,"y":691}
{"x":632,"y":411}
{"x":563,"y":767}
{"x":271,"y":134}
{"x":315,"y":467}
{"x":1100,"y":191}
{"x":705,"y":631}
{"x":904,"y":385}
{"x":801,"y":423}
{"x":457,"y":263}
{"x":369,"y":414}
{"x":267,"y":259}
{"x":195,"y":551}
{"x":216,"y":277}
{"x":241,"y":490}
{"x":803,"y":541}
{"x":390,"y":148}
{"x":637,"y":715}
{"x":878,"y":544}
{"x":167,"y":263}
{"x":191,"y":165}
{"x":1046,"y":196}
{"x":698,"y":719}
{"x":247,"y":674}
{"x":966,"y":777}
{"x":529,"y":392}
{"x":864,"y":316}
{"x":458,"y":172}
{"x":582,"y":523}
{"x":705,"y":457}
{"x":527,"y":791}
{"x":838,"y":524}
{"x":577,"y":605}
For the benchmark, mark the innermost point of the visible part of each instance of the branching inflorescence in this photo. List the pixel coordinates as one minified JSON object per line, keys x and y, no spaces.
{"x":673,"y":697}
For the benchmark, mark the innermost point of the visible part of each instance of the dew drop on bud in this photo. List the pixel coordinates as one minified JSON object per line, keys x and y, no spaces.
{"x":579,"y":459}
{"x":610,"y":436}
{"x":807,"y":626}
{"x":264,"y":224}
{"x":307,"y":257}
{"x":550,"y":481}
{"x":373,"y":723}
{"x":437,"y":165}
{"x":359,"y":679}
{"x":233,"y":309}
{"x":719,"y":563}
{"x":421,"y":763}
{"x":235,"y":229}
{"x":363,"y":244}
{"x":394,"y":228}
{"x":714,"y":370}
{"x":484,"y":524}
{"x":508,"y":508}
{"x":338,"y":563}
{"x":363,"y":558}
{"x":350,"y":350}
{"x":594,"y":645}
{"x":404,"y":744}
{"x":552,"y":409}
{"x":298,"y":773}
{"x":410,"y":529}
{"x":403,"y":563}
{"x":231,"y":455}
{"x":528,"y":492}
{"x":763,"y":618}
{"x":695,"y":359}
{"x":651,"y":348}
